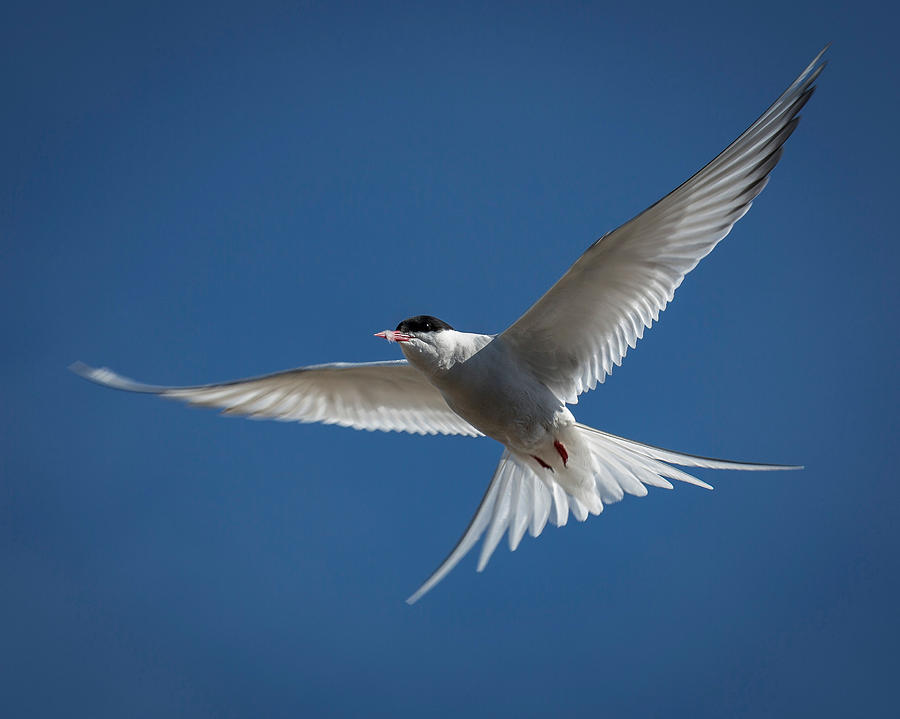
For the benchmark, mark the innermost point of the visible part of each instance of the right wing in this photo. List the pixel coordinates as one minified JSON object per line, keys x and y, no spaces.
{"x":389,"y":396}
{"x":582,"y":327}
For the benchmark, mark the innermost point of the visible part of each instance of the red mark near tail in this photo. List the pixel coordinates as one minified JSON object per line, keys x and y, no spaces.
{"x":541,"y":462}
{"x":560,"y":447}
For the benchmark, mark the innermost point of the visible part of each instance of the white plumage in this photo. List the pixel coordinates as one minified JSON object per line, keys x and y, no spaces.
{"x":388,"y":396}
{"x":514,"y":387}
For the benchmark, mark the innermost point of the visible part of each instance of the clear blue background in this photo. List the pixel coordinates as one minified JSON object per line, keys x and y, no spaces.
{"x":199,"y":192}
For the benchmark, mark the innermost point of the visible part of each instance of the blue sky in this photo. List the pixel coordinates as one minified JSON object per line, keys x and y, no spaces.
{"x":199,"y":192}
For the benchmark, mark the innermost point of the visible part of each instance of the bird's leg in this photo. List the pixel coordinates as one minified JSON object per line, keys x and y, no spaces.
{"x":541,"y":462}
{"x":561,"y":448}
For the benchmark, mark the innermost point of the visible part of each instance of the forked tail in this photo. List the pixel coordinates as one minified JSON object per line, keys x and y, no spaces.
{"x":518,"y":499}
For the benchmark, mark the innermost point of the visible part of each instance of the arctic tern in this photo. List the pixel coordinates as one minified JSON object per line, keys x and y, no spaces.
{"x":514,"y":386}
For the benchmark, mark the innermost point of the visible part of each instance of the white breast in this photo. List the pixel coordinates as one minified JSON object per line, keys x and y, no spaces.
{"x":501,"y":397}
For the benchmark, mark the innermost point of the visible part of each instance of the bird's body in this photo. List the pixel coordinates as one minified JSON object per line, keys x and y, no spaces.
{"x":484,"y":382}
{"x":515,"y":386}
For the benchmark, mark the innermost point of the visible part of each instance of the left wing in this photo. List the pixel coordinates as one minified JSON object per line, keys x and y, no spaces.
{"x":390,"y":396}
{"x":585,"y":323}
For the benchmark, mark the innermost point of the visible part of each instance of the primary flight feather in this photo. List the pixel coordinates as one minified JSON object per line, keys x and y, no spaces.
{"x":514,"y":387}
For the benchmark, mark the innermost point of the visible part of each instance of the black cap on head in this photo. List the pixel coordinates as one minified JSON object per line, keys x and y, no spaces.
{"x":422,"y":323}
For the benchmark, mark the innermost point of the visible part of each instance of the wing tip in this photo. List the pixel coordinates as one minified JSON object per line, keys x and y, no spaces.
{"x":81,"y":369}
{"x":107,"y":378}
{"x":99,"y":375}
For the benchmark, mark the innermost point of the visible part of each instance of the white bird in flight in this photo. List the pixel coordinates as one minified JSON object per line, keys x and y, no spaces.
{"x":515,"y":386}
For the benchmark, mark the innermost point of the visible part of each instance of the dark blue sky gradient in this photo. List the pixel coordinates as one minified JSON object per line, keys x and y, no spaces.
{"x":204,"y":192}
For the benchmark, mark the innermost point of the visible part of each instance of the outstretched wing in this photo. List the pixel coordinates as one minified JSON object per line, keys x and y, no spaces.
{"x":585,"y":323}
{"x":389,"y":396}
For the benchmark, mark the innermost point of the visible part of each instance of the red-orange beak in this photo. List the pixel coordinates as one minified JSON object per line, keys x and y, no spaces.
{"x":392,"y":336}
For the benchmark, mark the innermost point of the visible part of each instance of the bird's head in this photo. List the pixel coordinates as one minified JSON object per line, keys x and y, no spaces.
{"x":427,"y":342}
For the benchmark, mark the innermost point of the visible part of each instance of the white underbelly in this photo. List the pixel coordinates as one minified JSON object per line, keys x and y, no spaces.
{"x":505,"y":403}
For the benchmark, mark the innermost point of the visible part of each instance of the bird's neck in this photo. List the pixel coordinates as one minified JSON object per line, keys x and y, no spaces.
{"x":448,"y":348}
